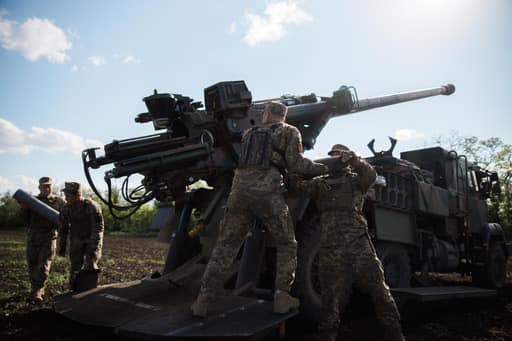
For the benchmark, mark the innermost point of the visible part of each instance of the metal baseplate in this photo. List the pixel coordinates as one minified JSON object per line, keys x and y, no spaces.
{"x":160,"y":309}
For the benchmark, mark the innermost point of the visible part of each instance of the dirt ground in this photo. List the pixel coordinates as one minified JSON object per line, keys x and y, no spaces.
{"x":129,"y":258}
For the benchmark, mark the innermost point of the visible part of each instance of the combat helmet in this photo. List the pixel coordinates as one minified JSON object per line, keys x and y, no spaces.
{"x":338,"y":148}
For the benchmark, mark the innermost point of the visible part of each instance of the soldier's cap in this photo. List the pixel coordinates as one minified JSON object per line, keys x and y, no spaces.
{"x":45,"y":180}
{"x":276,"y":108}
{"x":72,"y":187}
{"x":338,"y":148}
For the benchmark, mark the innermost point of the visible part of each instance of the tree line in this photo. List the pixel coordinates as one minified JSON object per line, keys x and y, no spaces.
{"x":136,"y":224}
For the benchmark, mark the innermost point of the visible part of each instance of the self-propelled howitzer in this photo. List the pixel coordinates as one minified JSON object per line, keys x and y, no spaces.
{"x":204,"y":144}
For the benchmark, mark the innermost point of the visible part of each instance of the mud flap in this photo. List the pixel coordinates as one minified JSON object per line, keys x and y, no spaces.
{"x":435,"y":294}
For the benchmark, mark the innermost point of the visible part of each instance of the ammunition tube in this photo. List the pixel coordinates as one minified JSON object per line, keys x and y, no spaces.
{"x":37,"y":206}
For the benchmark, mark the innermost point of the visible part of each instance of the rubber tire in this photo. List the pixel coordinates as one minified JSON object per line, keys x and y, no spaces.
{"x":396,"y":264}
{"x":307,"y":270}
{"x":493,"y":274}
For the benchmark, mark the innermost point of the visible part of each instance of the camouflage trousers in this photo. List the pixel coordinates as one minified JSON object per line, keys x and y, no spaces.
{"x":83,"y":254}
{"x":354,"y":263}
{"x":40,"y":253}
{"x":242,"y":207}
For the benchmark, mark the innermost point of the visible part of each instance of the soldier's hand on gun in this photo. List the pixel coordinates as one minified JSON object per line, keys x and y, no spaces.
{"x":346,"y":155}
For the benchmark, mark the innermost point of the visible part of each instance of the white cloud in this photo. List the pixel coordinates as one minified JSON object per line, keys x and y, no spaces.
{"x":272,"y":26}
{"x":56,"y":140}
{"x":21,"y":181}
{"x":17,"y":141}
{"x":12,"y":138}
{"x":35,"y":38}
{"x":232,"y":28}
{"x":74,"y":68}
{"x":130,"y":59}
{"x":6,"y":185}
{"x":406,"y":134}
{"x":97,"y":60}
{"x":27,"y":182}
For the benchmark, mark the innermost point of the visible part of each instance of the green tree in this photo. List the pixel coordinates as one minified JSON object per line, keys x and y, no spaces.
{"x":10,"y":212}
{"x":492,"y":154}
{"x":137,"y":224}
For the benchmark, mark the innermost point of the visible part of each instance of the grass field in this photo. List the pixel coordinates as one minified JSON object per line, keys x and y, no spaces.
{"x":124,"y":259}
{"x":130,"y":258}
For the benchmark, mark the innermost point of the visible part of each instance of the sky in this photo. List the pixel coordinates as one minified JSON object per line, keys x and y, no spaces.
{"x":73,"y":73}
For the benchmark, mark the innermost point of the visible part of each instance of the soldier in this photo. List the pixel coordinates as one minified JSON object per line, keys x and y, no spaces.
{"x":85,"y":220}
{"x":41,"y":239}
{"x":258,"y":192}
{"x":347,"y":256}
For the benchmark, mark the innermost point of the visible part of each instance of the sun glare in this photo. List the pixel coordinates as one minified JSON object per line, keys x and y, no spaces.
{"x":434,"y":15}
{"x":428,"y":7}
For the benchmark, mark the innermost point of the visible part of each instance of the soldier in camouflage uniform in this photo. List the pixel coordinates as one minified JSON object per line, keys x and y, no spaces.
{"x":347,"y":256}
{"x":41,"y":239}
{"x":85,"y":220}
{"x":258,"y":192}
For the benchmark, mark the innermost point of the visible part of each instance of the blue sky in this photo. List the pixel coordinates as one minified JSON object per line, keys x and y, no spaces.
{"x":73,"y":73}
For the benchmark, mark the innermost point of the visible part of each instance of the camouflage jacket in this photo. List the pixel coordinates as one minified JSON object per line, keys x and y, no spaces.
{"x":340,"y":200}
{"x":39,"y":225}
{"x":85,"y":221}
{"x":286,"y":155}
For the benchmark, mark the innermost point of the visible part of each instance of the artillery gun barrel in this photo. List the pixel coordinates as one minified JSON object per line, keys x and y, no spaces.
{"x":381,"y":101}
{"x":310,"y":118}
{"x":341,"y":104}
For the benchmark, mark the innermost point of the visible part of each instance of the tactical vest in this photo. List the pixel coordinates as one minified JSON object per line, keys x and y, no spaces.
{"x":257,"y":148}
{"x":341,"y":194}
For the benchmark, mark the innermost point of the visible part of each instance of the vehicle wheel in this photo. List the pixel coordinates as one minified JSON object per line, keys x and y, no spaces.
{"x":493,"y":273}
{"x":306,"y":286}
{"x":396,"y":264}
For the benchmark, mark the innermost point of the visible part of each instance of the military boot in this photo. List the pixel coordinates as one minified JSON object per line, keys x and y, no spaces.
{"x":283,"y":302}
{"x":37,"y":294}
{"x":200,"y":306}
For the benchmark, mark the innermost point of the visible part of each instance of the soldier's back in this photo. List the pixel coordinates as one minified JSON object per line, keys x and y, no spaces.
{"x":261,"y":164}
{"x":81,"y":217}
